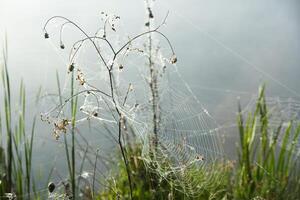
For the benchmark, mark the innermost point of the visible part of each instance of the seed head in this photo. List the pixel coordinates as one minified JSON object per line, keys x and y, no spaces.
{"x":173,"y":59}
{"x":62,"y":46}
{"x":51,"y":187}
{"x":200,"y":158}
{"x":56,"y":134}
{"x":80,"y":77}
{"x":46,"y":35}
{"x":150,"y":13}
{"x":71,"y":67}
{"x":131,"y":87}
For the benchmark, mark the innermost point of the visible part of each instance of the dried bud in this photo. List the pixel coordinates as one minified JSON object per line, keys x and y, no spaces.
{"x":80,"y":77}
{"x":46,"y":35}
{"x":147,"y":24}
{"x":131,"y":87}
{"x":164,"y":68}
{"x":71,"y":68}
{"x":62,"y":46}
{"x":200,"y":158}
{"x":173,"y":59}
{"x":56,"y":134}
{"x":150,"y":13}
{"x":51,"y":187}
{"x":121,"y":67}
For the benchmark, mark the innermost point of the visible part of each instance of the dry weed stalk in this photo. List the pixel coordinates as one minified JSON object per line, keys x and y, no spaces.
{"x":109,"y":65}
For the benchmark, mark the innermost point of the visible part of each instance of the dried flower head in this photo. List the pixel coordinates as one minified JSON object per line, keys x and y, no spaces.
{"x":46,"y":35}
{"x":60,"y":126}
{"x":173,"y":59}
{"x":164,"y":68}
{"x":56,"y":134}
{"x":80,"y":77}
{"x":71,"y":68}
{"x":200,"y":158}
{"x":150,"y":13}
{"x":131,"y":87}
{"x":51,"y":187}
{"x":62,"y":46}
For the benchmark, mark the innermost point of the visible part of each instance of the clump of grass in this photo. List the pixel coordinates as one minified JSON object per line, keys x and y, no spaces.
{"x":16,"y":160}
{"x":143,"y":180}
{"x":70,"y":156}
{"x":268,"y":166}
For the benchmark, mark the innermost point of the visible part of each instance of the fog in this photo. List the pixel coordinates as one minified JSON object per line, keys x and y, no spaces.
{"x":225,"y":49}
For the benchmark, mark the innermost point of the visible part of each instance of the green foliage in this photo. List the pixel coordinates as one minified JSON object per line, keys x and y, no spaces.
{"x":143,"y":180}
{"x":70,"y":156}
{"x":266,"y":167}
{"x":267,"y":164}
{"x":16,"y":160}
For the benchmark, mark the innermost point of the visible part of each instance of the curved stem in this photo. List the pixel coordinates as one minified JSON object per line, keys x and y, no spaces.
{"x":142,"y":34}
{"x":81,"y":30}
{"x":71,"y":56}
{"x":61,"y":106}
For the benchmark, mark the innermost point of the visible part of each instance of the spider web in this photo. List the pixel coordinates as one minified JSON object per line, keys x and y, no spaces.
{"x":282,"y":110}
{"x":188,"y":138}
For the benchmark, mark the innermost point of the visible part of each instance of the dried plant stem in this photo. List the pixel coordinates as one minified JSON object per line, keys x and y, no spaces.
{"x":120,"y":128}
{"x":95,"y":166}
{"x":154,"y":92}
{"x":77,"y":45}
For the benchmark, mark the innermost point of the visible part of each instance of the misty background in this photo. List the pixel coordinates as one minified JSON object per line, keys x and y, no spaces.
{"x":225,"y":49}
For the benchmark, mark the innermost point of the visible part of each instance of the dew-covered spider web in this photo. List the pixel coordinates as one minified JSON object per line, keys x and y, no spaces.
{"x":281,"y":111}
{"x":187,"y":136}
{"x":186,"y":139}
